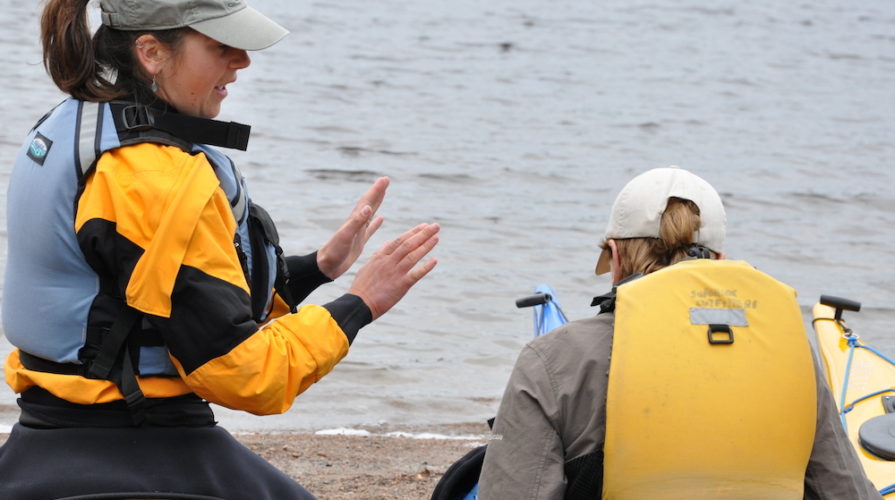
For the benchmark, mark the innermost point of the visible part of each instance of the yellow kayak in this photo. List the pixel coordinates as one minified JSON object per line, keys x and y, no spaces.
{"x":862,"y":381}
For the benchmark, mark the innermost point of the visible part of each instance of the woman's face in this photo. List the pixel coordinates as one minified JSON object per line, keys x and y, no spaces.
{"x":194,"y":79}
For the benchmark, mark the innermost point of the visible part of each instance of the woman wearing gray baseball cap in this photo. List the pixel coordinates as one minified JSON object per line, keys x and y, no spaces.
{"x":142,"y":281}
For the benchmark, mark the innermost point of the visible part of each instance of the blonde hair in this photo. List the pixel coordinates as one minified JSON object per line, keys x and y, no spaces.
{"x":680,"y":223}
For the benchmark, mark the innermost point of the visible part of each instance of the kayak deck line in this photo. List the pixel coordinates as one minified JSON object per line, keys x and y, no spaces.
{"x":857,"y":374}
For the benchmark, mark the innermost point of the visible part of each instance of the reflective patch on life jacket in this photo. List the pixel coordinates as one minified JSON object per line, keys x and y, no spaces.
{"x":729,"y":317}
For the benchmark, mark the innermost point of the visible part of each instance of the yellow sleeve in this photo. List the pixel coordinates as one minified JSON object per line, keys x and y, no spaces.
{"x":173,"y":255}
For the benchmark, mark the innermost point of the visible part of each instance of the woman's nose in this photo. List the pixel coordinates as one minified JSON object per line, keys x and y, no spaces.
{"x":240,"y":59}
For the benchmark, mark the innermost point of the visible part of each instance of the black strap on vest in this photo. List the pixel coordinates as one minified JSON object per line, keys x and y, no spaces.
{"x":699,"y":252}
{"x":133,"y":118}
{"x":263,"y":222}
{"x":607,"y":300}
{"x":37,"y":364}
{"x":113,"y":362}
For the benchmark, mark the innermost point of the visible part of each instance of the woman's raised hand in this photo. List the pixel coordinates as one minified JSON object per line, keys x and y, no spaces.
{"x":393,"y":269}
{"x":346,"y":245}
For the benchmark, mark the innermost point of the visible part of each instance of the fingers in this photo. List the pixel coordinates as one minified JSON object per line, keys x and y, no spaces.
{"x":394,"y":245}
{"x":375,"y":194}
{"x":373,"y":227}
{"x":366,"y":208}
{"x":396,"y":268}
{"x":422,"y":270}
{"x":361,"y":222}
{"x":418,"y":248}
{"x":361,"y":217}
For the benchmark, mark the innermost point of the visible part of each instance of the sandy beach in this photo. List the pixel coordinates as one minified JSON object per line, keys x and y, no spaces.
{"x":384,"y":463}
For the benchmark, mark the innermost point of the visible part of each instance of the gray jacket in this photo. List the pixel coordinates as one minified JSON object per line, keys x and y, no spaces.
{"x":554,"y":411}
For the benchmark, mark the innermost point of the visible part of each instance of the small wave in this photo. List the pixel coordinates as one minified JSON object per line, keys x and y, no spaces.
{"x":327,"y":174}
{"x":342,"y":431}
{"x":709,"y":11}
{"x":840,"y":56}
{"x":647,"y":126}
{"x":332,"y":129}
{"x":815,"y":196}
{"x":347,"y":431}
{"x":745,"y":82}
{"x":456,"y":178}
{"x":355,"y":151}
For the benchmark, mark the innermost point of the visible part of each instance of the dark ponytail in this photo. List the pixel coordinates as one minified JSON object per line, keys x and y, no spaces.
{"x":98,"y":68}
{"x":68,"y":49}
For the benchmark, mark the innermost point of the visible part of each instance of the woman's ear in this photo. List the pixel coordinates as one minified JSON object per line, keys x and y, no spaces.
{"x":615,"y":263}
{"x":151,"y":53}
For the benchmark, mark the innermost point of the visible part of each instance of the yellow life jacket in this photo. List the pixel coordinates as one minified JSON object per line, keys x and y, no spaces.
{"x":711,"y":387}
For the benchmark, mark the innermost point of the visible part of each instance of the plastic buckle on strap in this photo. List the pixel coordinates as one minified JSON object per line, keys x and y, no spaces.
{"x":699,"y":252}
{"x":716,"y":334}
{"x":134,"y":399}
{"x":137,"y":118}
{"x":98,"y":369}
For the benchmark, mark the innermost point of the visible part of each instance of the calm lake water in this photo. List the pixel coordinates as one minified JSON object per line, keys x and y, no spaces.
{"x":513,"y":124}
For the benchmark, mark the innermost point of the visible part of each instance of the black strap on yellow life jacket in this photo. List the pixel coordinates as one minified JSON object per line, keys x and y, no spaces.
{"x":607,"y":300}
{"x":699,"y":252}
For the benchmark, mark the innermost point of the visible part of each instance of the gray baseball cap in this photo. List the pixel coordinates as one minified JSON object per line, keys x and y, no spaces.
{"x":231,"y":22}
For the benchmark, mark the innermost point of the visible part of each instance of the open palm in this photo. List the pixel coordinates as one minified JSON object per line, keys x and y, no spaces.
{"x":346,"y":245}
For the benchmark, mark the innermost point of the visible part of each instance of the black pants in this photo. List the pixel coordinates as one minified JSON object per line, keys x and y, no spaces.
{"x":57,"y":463}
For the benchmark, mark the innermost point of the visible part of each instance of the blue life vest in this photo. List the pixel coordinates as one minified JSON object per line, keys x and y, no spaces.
{"x":50,"y":287}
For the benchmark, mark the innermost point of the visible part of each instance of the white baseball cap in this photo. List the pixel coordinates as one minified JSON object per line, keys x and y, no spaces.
{"x":231,"y":22}
{"x":638,"y":208}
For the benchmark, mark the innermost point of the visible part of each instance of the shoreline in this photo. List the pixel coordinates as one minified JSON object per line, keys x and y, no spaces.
{"x":370,"y":462}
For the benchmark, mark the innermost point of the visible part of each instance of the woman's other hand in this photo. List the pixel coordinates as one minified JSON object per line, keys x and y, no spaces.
{"x":393,"y":269}
{"x":343,"y":249}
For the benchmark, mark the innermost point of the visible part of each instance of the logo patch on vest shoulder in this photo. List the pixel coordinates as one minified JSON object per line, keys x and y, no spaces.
{"x":39,"y":148}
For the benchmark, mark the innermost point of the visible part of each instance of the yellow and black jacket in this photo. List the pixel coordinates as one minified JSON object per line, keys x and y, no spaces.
{"x":116,"y":224}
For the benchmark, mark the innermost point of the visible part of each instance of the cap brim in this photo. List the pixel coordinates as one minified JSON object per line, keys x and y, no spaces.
{"x":246,"y":29}
{"x":603,"y":262}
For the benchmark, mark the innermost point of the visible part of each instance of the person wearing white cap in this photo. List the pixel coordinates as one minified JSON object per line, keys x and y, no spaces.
{"x":143,"y":282}
{"x":695,"y":381}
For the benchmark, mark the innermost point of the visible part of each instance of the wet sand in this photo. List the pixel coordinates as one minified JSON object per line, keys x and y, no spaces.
{"x":386,"y":464}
